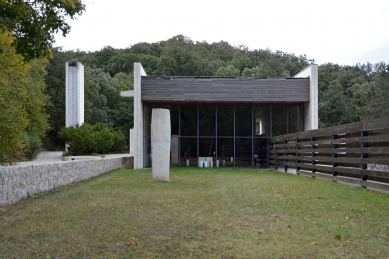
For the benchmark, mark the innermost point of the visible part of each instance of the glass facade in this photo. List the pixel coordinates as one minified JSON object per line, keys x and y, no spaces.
{"x":223,"y":135}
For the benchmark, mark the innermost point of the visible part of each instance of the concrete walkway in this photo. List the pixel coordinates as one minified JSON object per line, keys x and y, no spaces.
{"x":45,"y":157}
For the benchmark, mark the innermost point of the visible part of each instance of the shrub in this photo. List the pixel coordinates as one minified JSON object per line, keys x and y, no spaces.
{"x":88,"y":138}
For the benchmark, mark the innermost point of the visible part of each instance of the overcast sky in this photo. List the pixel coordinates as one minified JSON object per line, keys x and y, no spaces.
{"x":339,"y":31}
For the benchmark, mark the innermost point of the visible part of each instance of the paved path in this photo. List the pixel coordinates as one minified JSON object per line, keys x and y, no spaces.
{"x":45,"y":157}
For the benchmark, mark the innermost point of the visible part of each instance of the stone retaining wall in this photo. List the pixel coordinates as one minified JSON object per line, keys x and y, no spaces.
{"x":19,"y":182}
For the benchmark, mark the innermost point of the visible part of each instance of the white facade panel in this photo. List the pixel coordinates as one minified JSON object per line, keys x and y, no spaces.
{"x":74,"y":101}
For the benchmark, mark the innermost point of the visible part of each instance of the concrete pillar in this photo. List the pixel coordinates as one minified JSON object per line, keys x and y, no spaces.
{"x":311,"y":117}
{"x":160,"y":144}
{"x":74,"y":97}
{"x":138,"y":114}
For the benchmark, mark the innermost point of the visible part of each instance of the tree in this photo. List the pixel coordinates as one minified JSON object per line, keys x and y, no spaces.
{"x":33,"y":23}
{"x":23,"y":117}
{"x":179,"y":59}
{"x":122,"y":114}
{"x":222,"y":50}
{"x":376,"y":99}
{"x":240,"y":60}
{"x":13,"y":96}
{"x":227,"y":71}
{"x":36,"y":103}
{"x":100,"y":95}
{"x":88,"y":138}
{"x":332,"y":106}
{"x":270,"y":68}
{"x":153,"y":49}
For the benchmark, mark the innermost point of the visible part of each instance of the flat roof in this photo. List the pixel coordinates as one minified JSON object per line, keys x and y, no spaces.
{"x":224,"y":89}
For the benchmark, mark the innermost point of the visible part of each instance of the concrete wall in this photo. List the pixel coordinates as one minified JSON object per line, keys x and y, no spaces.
{"x":311,"y":120}
{"x":138,"y":116}
{"x":19,"y":182}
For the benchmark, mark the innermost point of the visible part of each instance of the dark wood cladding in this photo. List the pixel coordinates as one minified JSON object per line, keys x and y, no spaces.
{"x":225,"y":89}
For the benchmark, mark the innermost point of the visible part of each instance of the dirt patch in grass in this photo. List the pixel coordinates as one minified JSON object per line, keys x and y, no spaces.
{"x":11,"y":218}
{"x":199,"y":214}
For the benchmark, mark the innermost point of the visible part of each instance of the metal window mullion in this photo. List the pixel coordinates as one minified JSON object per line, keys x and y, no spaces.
{"x":198,"y":133}
{"x":216,"y":146}
{"x":252,"y":136}
{"x":271,"y":120}
{"x":234,"y":137}
{"x":179,"y":135}
{"x":287,"y":119}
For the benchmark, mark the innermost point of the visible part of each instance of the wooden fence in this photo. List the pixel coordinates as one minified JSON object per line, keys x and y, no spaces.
{"x":355,"y":153}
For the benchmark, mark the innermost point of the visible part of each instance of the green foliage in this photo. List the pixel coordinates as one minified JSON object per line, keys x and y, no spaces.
{"x":272,"y":68}
{"x":13,"y":99}
{"x":352,"y":93}
{"x":88,"y":139}
{"x":124,"y":81}
{"x":332,"y":105}
{"x":101,"y":95}
{"x":227,"y":71}
{"x":36,"y":105}
{"x":179,"y":59}
{"x":34,"y":23}
{"x":23,"y":118}
{"x":376,"y":94}
{"x":153,"y":49}
{"x":240,"y":60}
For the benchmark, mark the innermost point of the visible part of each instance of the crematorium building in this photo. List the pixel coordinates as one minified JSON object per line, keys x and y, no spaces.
{"x":222,"y":121}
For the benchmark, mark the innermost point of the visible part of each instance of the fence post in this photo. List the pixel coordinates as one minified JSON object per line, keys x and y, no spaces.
{"x":275,"y":157}
{"x":363,"y":155}
{"x":297,"y":156}
{"x":313,"y":155}
{"x":285,"y":155}
{"x":334,"y":155}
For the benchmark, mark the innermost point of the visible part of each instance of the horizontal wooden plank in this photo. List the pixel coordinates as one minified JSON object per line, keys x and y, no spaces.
{"x":324,"y":176}
{"x":282,"y":146}
{"x":322,"y":132}
{"x":347,"y":128}
{"x":351,"y":150}
{"x":317,"y":167}
{"x":377,"y":185}
{"x":367,"y":139}
{"x":346,"y":180}
{"x":301,"y":172}
{"x":349,"y":160}
{"x":375,"y":124}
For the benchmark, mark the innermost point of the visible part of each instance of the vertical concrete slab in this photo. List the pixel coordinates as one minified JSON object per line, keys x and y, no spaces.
{"x":311,"y":119}
{"x":160,"y":144}
{"x":74,"y":99}
{"x":131,"y":142}
{"x":138,"y":116}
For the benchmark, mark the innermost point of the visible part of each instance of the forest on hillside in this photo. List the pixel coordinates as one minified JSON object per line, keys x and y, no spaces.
{"x":32,"y":97}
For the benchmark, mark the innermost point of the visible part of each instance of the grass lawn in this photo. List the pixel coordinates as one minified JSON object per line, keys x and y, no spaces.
{"x":230,"y":213}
